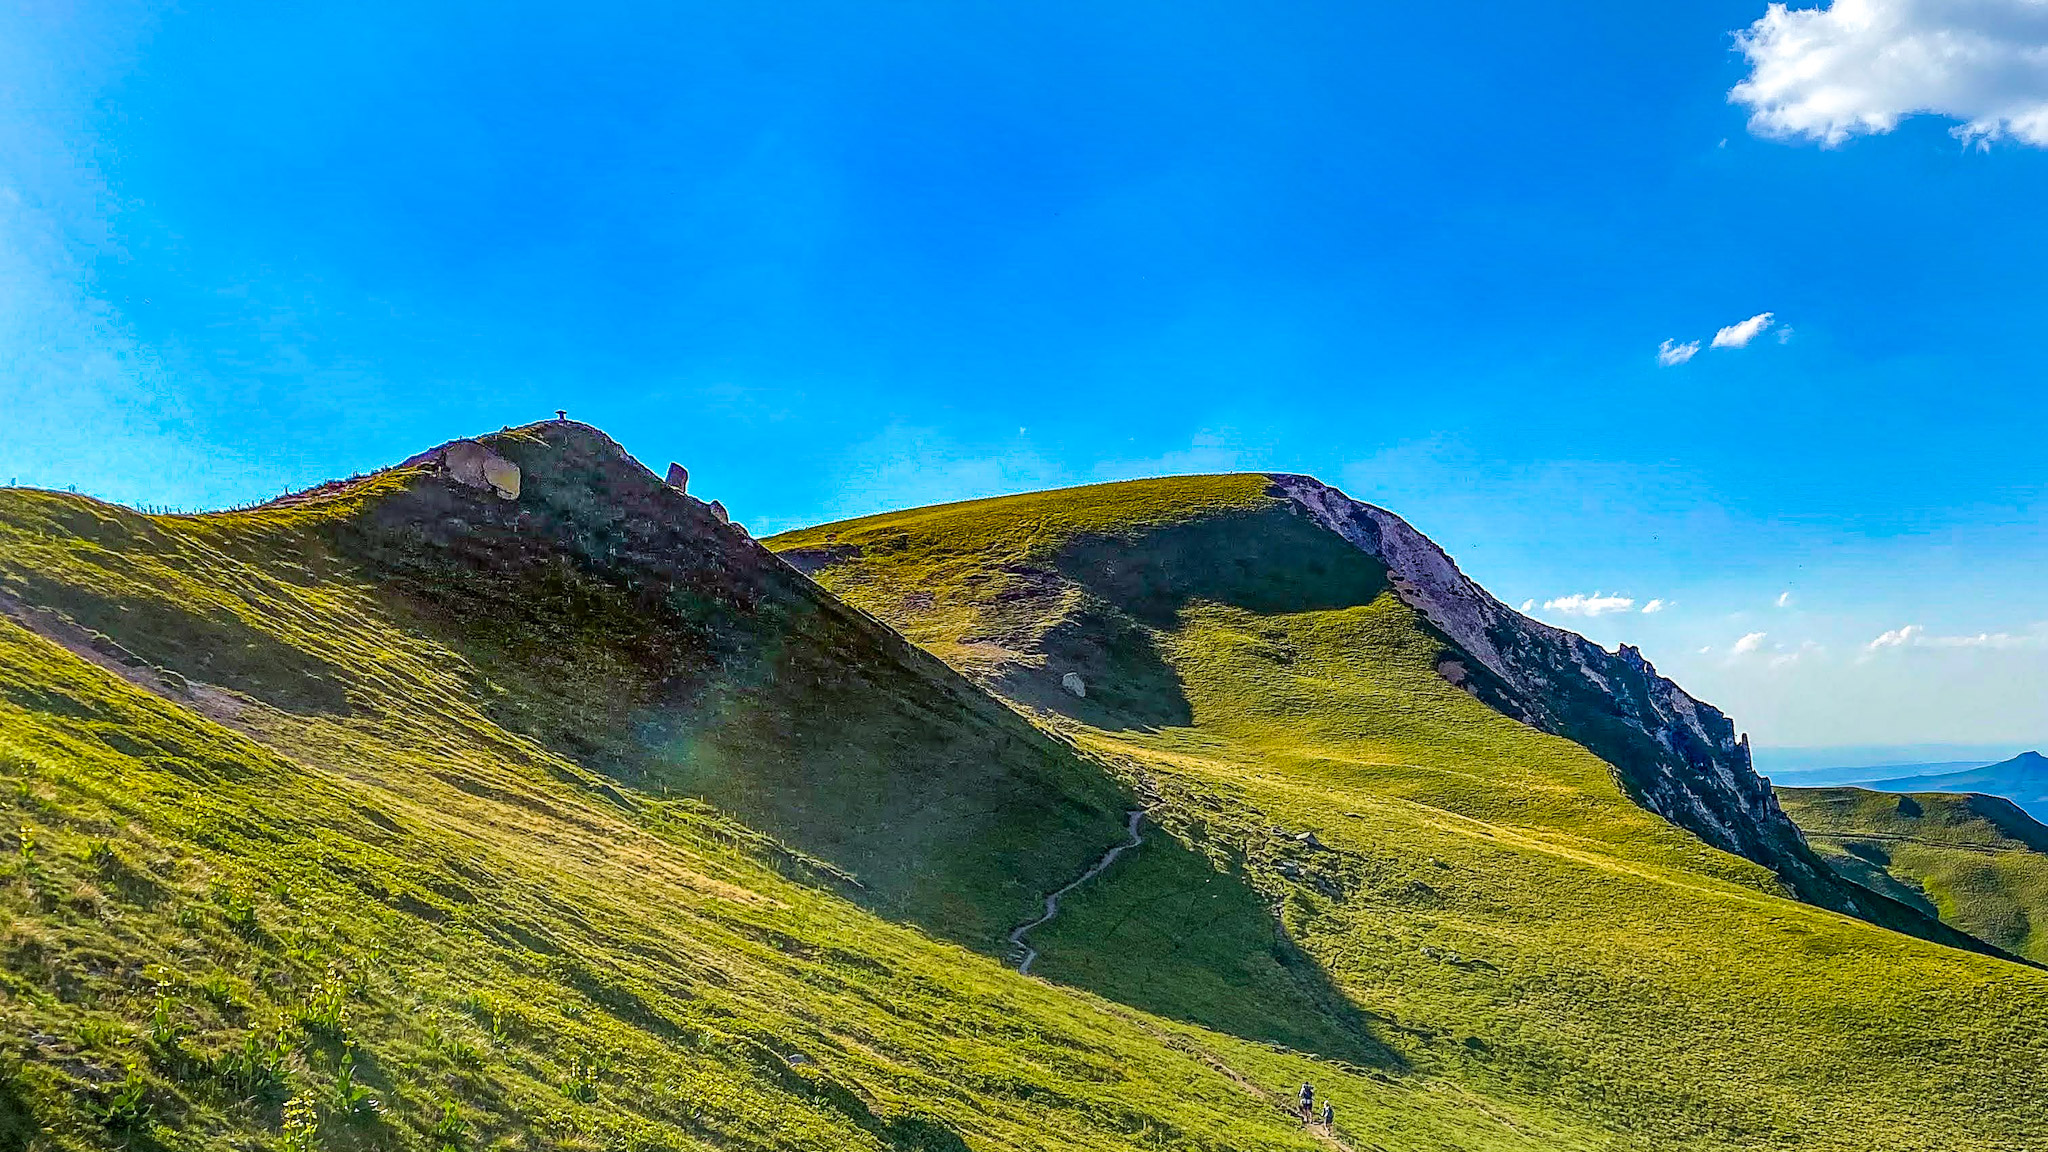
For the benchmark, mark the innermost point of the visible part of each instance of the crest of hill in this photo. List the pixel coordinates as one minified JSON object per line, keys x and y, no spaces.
{"x":1978,"y":862}
{"x":1022,"y":590}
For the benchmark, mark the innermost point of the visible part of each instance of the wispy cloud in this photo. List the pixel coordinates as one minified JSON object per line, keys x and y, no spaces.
{"x":1656,"y":606}
{"x":1739,"y":334}
{"x":1580,"y":604}
{"x":1749,"y":643}
{"x":1855,"y":67}
{"x":1671,"y":353}
{"x":1785,"y":599}
{"x":1915,"y":636}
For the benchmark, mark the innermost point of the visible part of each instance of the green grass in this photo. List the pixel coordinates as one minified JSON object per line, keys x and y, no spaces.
{"x":404,"y":818}
{"x":1489,"y":909}
{"x":1978,"y":862}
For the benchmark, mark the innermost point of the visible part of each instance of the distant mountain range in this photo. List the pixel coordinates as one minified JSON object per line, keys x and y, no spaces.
{"x":2022,"y":780}
{"x":1860,"y":774}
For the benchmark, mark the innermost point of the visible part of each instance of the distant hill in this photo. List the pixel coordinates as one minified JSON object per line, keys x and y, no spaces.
{"x":2022,"y":780}
{"x":1977,"y":861}
{"x":1857,"y":775}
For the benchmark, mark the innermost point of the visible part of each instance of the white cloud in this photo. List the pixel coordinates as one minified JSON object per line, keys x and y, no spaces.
{"x":1980,"y":640}
{"x":1740,"y":334}
{"x":1580,"y":604}
{"x":1749,"y":643}
{"x":1670,"y":354}
{"x":1915,"y":636}
{"x":1704,"y":649}
{"x":1656,"y":606}
{"x":1860,"y":66}
{"x":1785,"y":599}
{"x":1528,"y":606}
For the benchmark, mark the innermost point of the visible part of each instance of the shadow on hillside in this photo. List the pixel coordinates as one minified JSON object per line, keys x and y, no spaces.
{"x":1167,"y":931}
{"x":1267,"y":562}
{"x":1125,"y":677}
{"x":17,"y":1124}
{"x":621,"y":626}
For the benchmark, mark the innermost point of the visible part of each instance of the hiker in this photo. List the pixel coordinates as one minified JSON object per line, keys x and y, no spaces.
{"x":1308,"y":1103}
{"x":1329,"y":1117}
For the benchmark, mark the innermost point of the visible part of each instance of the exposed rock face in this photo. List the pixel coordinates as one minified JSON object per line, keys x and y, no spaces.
{"x":1674,"y":755}
{"x":678,"y":477}
{"x":1073,"y":683}
{"x":719,"y":512}
{"x":470,"y":463}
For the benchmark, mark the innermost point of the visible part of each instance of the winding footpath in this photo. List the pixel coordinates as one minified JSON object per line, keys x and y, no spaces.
{"x":1052,"y":901}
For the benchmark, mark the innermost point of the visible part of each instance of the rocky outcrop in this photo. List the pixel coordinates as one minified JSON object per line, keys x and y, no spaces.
{"x":678,"y":477}
{"x":470,"y":463}
{"x":1675,"y":755}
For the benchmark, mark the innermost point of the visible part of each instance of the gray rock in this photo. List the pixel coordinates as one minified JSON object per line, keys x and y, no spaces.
{"x":678,"y":477}
{"x":471,"y":464}
{"x":1072,"y":682}
{"x":719,"y":513}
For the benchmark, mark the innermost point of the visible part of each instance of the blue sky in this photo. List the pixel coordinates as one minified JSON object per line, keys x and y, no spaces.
{"x":839,"y":258}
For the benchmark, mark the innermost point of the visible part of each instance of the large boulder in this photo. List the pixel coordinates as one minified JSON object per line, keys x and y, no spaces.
{"x":470,"y":463}
{"x":678,"y":477}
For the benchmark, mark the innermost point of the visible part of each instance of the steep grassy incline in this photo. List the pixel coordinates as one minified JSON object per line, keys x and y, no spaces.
{"x":1978,"y":862}
{"x":405,"y":815}
{"x":607,"y":619}
{"x":1435,"y":889}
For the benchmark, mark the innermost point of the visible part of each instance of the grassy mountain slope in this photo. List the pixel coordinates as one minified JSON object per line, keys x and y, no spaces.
{"x":1478,"y":901}
{"x":1978,"y":862}
{"x":404,"y":816}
